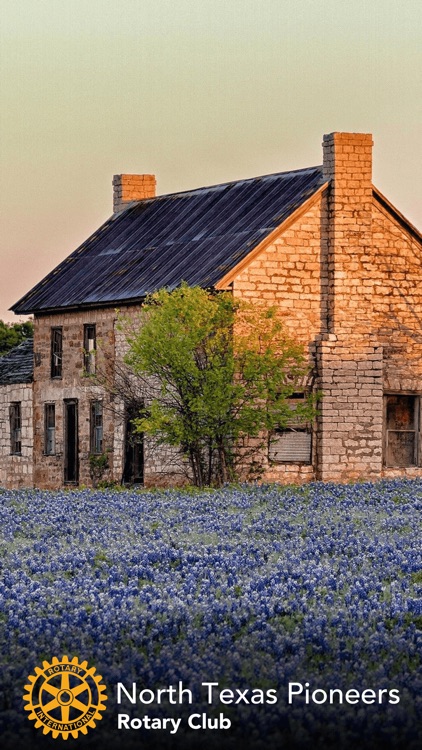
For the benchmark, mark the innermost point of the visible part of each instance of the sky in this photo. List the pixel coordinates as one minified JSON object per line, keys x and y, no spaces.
{"x":197,"y":92}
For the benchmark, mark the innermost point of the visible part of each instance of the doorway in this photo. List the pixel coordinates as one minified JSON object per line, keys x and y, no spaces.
{"x":71,"y":458}
{"x":133,"y":471}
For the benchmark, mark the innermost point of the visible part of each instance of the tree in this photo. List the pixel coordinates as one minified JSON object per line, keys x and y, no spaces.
{"x":217,"y":374}
{"x":12,"y":334}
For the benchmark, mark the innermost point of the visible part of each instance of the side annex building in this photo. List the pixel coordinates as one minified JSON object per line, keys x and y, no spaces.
{"x":323,"y":244}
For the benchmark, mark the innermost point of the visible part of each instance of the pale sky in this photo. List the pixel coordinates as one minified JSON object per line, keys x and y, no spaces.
{"x":197,"y":92}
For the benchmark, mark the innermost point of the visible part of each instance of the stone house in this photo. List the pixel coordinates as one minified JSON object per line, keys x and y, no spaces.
{"x":342,"y":264}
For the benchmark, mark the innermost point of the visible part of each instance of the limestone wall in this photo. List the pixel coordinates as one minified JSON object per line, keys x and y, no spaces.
{"x":373,"y":346}
{"x":16,"y":470}
{"x":292,"y":273}
{"x":347,"y":275}
{"x":163,"y":464}
{"x":73,"y":384}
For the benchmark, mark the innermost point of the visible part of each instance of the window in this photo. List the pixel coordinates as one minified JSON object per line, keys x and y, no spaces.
{"x":293,"y":443}
{"x":56,"y":352}
{"x":15,"y":428}
{"x":401,"y":418}
{"x":50,"y":429}
{"x":96,"y":427}
{"x":89,"y":348}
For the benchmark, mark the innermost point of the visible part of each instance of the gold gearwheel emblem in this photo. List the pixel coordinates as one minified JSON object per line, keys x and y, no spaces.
{"x":65,"y":697}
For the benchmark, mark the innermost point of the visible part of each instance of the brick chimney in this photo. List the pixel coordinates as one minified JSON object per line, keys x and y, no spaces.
{"x":347,"y":163}
{"x":132,"y":187}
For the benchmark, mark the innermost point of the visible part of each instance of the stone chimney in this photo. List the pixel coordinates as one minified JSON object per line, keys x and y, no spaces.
{"x":347,"y":163}
{"x":350,"y":359}
{"x":132,"y":187}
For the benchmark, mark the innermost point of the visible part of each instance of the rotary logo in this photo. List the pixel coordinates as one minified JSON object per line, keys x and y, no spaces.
{"x":65,"y":697}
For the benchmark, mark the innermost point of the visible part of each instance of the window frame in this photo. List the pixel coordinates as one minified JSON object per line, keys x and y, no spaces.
{"x":56,"y":362}
{"x":15,"y":423}
{"x":49,"y":443}
{"x":416,"y":431}
{"x":96,"y":443}
{"x":89,"y":353}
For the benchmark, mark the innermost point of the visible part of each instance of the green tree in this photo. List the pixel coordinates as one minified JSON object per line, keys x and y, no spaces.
{"x":12,"y":334}
{"x":216,"y":373}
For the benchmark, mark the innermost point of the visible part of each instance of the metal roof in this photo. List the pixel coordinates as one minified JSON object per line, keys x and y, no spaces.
{"x":195,"y":236}
{"x":17,"y":366}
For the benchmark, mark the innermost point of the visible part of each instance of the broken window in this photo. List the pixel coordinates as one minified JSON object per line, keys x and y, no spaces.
{"x":89,"y":348}
{"x":15,"y":428}
{"x":401,"y":431}
{"x":56,"y":352}
{"x":96,"y":427}
{"x":50,"y":429}
{"x":293,"y":443}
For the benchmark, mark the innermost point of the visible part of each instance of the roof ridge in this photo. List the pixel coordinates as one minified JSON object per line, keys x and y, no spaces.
{"x":222,"y":185}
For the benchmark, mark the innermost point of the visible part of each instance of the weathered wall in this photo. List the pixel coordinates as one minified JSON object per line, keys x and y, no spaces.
{"x":351,"y":409}
{"x":347,"y":276}
{"x":375,"y":303}
{"x":74,"y":384}
{"x":292,"y":273}
{"x":163,"y":464}
{"x":397,"y":309}
{"x":16,"y":470}
{"x":395,"y":272}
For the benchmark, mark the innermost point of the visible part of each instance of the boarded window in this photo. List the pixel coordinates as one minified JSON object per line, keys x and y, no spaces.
{"x":292,"y":444}
{"x":89,"y":348}
{"x":50,"y":429}
{"x":401,"y":430}
{"x":96,"y":427}
{"x":15,"y":428}
{"x":56,"y":352}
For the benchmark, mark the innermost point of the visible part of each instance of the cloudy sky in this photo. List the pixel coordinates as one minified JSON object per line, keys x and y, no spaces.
{"x":197,"y":92}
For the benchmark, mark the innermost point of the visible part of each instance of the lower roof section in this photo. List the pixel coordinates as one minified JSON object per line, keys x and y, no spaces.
{"x":17,"y":366}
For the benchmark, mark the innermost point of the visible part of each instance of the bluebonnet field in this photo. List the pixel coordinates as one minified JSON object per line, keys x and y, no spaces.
{"x":249,"y":587}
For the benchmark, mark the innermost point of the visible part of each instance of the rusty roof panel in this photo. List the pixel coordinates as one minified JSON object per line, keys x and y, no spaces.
{"x":195,"y":236}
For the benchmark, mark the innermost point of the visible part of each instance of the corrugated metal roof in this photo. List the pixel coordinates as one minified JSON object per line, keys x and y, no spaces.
{"x":17,"y":366}
{"x":195,"y":236}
